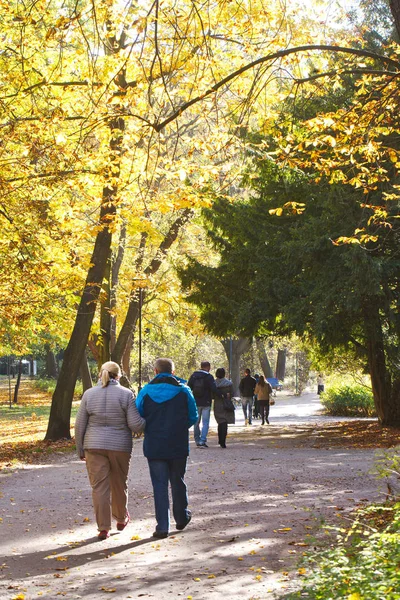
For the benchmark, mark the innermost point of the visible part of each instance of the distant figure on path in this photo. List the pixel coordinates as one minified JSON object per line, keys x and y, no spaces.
{"x":170,"y":410}
{"x":320,"y":384}
{"x":264,"y":392}
{"x":106,"y":417}
{"x":223,"y":416}
{"x":203,"y":386}
{"x":246,"y":388}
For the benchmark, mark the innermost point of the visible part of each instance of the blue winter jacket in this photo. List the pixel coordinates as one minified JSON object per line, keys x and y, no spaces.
{"x":169,"y":409}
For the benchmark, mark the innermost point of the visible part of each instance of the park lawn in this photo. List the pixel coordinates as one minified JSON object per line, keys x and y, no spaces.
{"x":23,"y":425}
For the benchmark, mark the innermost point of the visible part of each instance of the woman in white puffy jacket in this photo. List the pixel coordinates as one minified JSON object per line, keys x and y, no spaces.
{"x":106,"y":418}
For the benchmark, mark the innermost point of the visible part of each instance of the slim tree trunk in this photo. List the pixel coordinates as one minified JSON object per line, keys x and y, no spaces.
{"x":60,"y":413}
{"x":105,"y":316}
{"x":234,"y":348}
{"x":85,"y":373}
{"x":386,"y":393}
{"x":132,"y":314}
{"x":18,"y":382}
{"x":395,"y":10}
{"x":51,"y":363}
{"x":263,"y":358}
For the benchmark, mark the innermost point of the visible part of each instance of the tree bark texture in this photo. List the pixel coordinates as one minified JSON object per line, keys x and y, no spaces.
{"x":86,"y":377}
{"x":18,"y":382}
{"x":386,"y":392}
{"x":395,"y":10}
{"x":263,"y":358}
{"x":234,"y":348}
{"x":60,"y":413}
{"x":51,"y":363}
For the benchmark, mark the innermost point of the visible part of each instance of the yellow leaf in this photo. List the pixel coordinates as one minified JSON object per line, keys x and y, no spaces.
{"x":196,"y":579}
{"x":302,"y":571}
{"x":354,"y":596}
{"x":135,"y":537}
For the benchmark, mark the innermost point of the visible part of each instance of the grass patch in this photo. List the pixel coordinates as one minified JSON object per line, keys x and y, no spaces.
{"x":24,"y":425}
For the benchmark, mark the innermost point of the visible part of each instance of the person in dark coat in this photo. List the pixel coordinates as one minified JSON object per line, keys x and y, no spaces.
{"x":202,"y":384}
{"x":246,"y":388}
{"x":223,"y":416}
{"x":170,"y":410}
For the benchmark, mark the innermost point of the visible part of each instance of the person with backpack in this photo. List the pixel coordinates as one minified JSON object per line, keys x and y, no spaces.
{"x":203,"y":386}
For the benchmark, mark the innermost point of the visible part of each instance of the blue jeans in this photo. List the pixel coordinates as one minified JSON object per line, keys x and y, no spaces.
{"x":200,"y":437}
{"x":163,"y":472}
{"x":247,"y":405}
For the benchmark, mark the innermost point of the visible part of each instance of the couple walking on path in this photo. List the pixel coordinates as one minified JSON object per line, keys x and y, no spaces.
{"x":206,"y":389}
{"x":251,"y":388}
{"x":165,"y":409}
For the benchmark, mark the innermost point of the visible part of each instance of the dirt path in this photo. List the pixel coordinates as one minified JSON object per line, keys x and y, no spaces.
{"x":254,"y":506}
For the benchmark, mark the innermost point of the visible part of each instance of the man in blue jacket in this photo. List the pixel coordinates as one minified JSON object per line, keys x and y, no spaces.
{"x":170,"y":410}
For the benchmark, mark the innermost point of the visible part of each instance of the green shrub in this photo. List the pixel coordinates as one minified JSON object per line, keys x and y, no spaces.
{"x":364,"y":563}
{"x":349,"y":401}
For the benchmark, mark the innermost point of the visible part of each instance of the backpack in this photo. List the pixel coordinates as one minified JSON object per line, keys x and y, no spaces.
{"x":198,"y":388}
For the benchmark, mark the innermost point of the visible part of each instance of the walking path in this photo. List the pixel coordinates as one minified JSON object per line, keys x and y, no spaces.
{"x":256,"y":507}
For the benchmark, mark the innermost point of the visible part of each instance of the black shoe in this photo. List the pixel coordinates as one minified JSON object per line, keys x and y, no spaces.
{"x":202,"y":446}
{"x":267,"y":421}
{"x":181,"y":526}
{"x":223,"y":445}
{"x":160,"y":534}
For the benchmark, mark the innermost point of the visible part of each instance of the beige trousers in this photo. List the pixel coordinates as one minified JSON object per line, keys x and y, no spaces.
{"x":108,"y":476}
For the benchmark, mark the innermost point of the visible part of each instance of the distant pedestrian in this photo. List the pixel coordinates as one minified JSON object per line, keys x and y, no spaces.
{"x":256,"y":411}
{"x":106,"y":417}
{"x":264,"y":392}
{"x":203,"y":386}
{"x":169,"y":409}
{"x":320,"y":384}
{"x":223,"y":416}
{"x":246,"y":388}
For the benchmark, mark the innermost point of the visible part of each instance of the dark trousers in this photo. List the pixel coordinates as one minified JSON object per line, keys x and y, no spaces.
{"x":162,"y":473}
{"x":222,"y":433}
{"x":263,"y":406}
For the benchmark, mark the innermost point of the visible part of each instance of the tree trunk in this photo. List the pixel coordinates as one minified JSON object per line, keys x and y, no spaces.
{"x":132,"y":314}
{"x":281,"y":364}
{"x":395,"y":10}
{"x":51,"y":363}
{"x":263,"y":358}
{"x":18,"y":382}
{"x":85,"y":373}
{"x":234,"y":348}
{"x":115,"y":268}
{"x":60,"y":413}
{"x":126,"y":359}
{"x":105,"y":316}
{"x":386,"y":394}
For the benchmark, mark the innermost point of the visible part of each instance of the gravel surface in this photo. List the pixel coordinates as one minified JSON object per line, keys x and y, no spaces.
{"x":257,"y":506}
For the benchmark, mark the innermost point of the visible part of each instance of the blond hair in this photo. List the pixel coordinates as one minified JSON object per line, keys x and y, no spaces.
{"x":110,"y":370}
